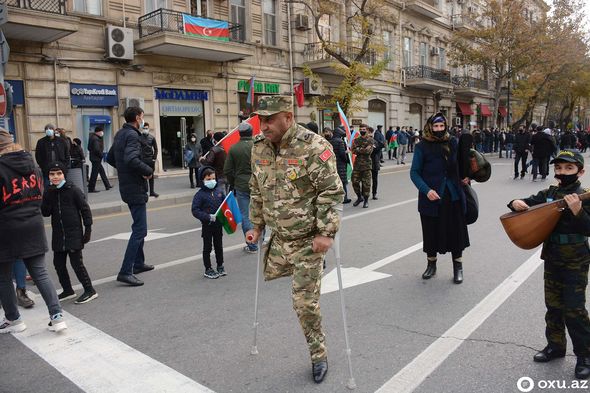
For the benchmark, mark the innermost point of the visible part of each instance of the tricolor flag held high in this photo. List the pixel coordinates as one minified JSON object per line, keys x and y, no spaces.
{"x":250,"y":98}
{"x":233,"y":136}
{"x":205,"y":28}
{"x":348,"y":139}
{"x":228,"y":214}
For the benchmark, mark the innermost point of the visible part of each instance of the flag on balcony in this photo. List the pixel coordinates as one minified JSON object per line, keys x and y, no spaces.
{"x":228,"y":214}
{"x":348,"y":139}
{"x":205,"y":28}
{"x":299,"y":94}
{"x":233,"y":136}
{"x":250,"y":98}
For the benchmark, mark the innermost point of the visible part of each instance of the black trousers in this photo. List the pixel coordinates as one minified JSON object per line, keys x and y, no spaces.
{"x":151,"y":180}
{"x":520,"y":156}
{"x":212,"y":238}
{"x":59,"y":261}
{"x":96,"y":170}
{"x":374,"y":175}
{"x":193,"y":172}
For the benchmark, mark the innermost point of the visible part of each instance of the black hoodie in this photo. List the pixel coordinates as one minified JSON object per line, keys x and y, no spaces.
{"x":22,"y":234}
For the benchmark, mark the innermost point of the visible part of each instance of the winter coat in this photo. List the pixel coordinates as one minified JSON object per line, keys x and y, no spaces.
{"x":388,"y":135}
{"x":206,"y":202}
{"x":125,"y":155}
{"x":509,"y":137}
{"x":568,"y":141}
{"x":339,"y":147}
{"x":44,"y":149}
{"x":522,"y":142}
{"x":463,"y":147}
{"x":402,"y":137}
{"x":216,"y":159}
{"x":379,"y":139}
{"x":237,"y":168}
{"x":22,"y":234}
{"x":197,"y":153}
{"x":543,"y":145}
{"x":95,"y":148}
{"x":206,"y":144}
{"x":149,"y":149}
{"x":76,"y":156}
{"x":68,"y":209}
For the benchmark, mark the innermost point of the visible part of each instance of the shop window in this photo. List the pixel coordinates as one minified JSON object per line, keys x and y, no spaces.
{"x":238,"y":16}
{"x":92,"y":7}
{"x":270,"y":22}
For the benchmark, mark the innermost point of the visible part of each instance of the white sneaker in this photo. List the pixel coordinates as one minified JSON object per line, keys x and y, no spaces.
{"x":57,"y":323}
{"x":12,"y":326}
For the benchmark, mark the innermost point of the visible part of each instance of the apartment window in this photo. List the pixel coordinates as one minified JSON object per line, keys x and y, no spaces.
{"x":202,"y":7}
{"x":442,"y":58}
{"x":92,"y":7}
{"x":388,"y":48}
{"x":152,"y":5}
{"x":270,"y":22}
{"x":423,"y":54}
{"x":407,"y":52}
{"x":325,"y":27}
{"x":238,"y":16}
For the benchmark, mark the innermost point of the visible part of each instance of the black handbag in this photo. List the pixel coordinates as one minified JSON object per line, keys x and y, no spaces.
{"x":472,"y":211}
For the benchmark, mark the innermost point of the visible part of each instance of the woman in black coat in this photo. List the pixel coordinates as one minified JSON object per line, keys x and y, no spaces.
{"x":336,"y":139}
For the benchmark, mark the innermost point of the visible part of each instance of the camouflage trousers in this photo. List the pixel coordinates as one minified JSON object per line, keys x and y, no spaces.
{"x":565,"y":290}
{"x":295,"y":258}
{"x":361,"y":182}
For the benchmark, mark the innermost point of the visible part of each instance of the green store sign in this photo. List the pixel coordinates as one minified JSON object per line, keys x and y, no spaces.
{"x":259,"y":87}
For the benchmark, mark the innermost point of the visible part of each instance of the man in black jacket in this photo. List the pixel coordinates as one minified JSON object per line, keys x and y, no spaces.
{"x":150,"y":154}
{"x":522,"y":145}
{"x":51,"y":149}
{"x":126,"y":156}
{"x":95,"y":153}
{"x":543,"y":147}
{"x":207,"y":142}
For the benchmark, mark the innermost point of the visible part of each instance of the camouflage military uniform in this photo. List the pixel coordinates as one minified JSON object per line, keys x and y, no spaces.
{"x":295,"y":189}
{"x":567,"y":257}
{"x":362,"y":147}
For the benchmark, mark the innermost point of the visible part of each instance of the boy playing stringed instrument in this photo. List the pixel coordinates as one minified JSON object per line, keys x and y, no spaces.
{"x":567,"y":257}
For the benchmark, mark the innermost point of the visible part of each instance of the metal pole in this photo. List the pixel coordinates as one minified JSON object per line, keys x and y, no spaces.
{"x":254,"y":350}
{"x":56,"y":92}
{"x":351,"y":384}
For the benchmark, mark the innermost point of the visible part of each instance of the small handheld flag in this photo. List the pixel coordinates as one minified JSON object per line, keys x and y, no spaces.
{"x":228,"y":214}
{"x":348,"y":140}
{"x":250,"y":98}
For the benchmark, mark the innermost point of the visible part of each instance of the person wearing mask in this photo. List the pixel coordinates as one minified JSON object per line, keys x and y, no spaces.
{"x":441,"y":199}
{"x":390,"y":132}
{"x":150,"y":153}
{"x":77,"y":158}
{"x":22,"y":234}
{"x":339,"y":147}
{"x":50,"y":149}
{"x":126,"y":156}
{"x":207,"y":142}
{"x":216,"y":158}
{"x":375,"y":154}
{"x":193,"y":164}
{"x":522,"y":145}
{"x":380,"y":142}
{"x":95,"y":154}
{"x":361,"y":172}
{"x":544,"y":147}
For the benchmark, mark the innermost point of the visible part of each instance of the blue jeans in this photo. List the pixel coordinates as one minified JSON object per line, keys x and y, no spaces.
{"x":20,"y":273}
{"x":509,"y":149}
{"x":243,"y":199}
{"x":134,"y":253}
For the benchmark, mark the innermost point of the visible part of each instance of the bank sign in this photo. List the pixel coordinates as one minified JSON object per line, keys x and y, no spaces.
{"x":94,"y":95}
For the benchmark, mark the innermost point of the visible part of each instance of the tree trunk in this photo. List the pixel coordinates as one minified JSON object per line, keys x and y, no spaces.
{"x":497,"y":94}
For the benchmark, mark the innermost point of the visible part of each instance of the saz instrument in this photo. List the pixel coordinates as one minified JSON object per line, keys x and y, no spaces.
{"x":529,"y":228}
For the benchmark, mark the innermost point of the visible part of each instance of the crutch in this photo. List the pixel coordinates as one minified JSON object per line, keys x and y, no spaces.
{"x":254,"y":350}
{"x":351,"y":384}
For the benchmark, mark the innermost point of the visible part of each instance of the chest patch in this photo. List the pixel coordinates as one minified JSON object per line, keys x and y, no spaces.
{"x":291,"y":174}
{"x":262,"y":162}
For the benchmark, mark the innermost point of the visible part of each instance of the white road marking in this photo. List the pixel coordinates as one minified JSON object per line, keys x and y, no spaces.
{"x":415,"y":372}
{"x":110,"y":365}
{"x":152,"y":235}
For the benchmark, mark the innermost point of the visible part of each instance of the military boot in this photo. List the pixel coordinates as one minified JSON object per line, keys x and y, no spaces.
{"x":430,"y":270}
{"x":358,"y":201}
{"x":457,"y":272}
{"x":366,"y":204}
{"x":583,"y":367}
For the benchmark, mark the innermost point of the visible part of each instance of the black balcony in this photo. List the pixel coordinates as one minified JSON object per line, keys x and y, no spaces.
{"x":315,"y":52}
{"x":468,"y":82}
{"x":51,"y":6}
{"x":424,"y":72}
{"x":163,"y":20}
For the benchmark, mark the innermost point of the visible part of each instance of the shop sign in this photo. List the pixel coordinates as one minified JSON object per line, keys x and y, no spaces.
{"x":260,"y":87}
{"x":356,"y":122}
{"x":93,"y":95}
{"x":181,"y":109}
{"x":181,"y":95}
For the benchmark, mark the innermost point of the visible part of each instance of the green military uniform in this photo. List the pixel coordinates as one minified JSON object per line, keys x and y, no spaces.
{"x":567,"y":257}
{"x":362,"y":147}
{"x":295,"y":189}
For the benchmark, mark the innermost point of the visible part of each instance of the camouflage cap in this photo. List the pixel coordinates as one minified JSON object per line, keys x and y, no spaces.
{"x":269,"y":105}
{"x":572,"y":156}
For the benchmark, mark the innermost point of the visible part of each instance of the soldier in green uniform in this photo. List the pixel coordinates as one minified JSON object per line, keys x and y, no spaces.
{"x":294,"y":191}
{"x":567,"y":256}
{"x":362,"y":147}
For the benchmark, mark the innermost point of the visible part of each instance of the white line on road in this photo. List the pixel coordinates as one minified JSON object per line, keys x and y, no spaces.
{"x":415,"y":372}
{"x":110,"y":365}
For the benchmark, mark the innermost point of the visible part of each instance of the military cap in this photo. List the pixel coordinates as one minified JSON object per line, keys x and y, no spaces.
{"x":269,"y":105}
{"x":572,"y":156}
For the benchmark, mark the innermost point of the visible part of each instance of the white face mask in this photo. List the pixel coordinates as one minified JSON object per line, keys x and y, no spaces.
{"x":145,"y":131}
{"x":193,"y":140}
{"x":210,"y":183}
{"x":49,"y":132}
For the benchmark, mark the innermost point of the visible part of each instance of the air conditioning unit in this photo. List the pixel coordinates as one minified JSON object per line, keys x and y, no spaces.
{"x":457,"y":121}
{"x":119,"y":43}
{"x":134,"y":101}
{"x":434,"y":51}
{"x":302,"y":22}
{"x":312,"y":86}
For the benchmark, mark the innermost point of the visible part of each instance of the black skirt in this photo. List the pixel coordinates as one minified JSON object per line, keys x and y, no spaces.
{"x":448,"y":231}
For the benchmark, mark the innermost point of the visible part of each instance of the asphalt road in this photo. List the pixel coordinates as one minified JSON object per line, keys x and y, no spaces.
{"x":406,"y":334}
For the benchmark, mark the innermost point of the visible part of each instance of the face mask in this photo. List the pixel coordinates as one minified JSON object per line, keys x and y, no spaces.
{"x":145,"y":131}
{"x":193,"y":140}
{"x":363,"y":133}
{"x":61,"y":184}
{"x":438,"y":134}
{"x":210,"y":183}
{"x":100,"y":134}
{"x":49,"y":132}
{"x":141,"y":124}
{"x":566,"y":180}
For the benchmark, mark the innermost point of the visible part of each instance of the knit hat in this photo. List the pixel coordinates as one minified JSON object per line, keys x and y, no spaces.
{"x":245,"y":129}
{"x":55,"y":166}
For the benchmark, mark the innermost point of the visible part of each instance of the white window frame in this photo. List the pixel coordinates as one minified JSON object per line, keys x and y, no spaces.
{"x":239,"y":35}
{"x":387,"y":40}
{"x":442,"y":58}
{"x":424,"y":59}
{"x":407,"y":51}
{"x":153,"y":5}
{"x":270,"y":36}
{"x":85,"y":8}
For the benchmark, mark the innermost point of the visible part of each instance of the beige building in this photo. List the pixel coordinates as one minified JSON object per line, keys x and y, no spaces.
{"x":80,"y":63}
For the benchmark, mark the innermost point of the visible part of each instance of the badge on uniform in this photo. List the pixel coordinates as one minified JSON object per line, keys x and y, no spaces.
{"x":262,"y":162}
{"x":291,"y":174}
{"x":325,"y":155}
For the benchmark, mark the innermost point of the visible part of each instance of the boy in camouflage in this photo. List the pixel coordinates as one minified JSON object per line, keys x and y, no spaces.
{"x":567,"y":257}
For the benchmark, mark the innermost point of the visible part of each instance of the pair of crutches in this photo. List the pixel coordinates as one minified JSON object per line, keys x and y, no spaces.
{"x":351,"y":384}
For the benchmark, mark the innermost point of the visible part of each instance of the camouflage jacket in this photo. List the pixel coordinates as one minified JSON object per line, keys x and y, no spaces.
{"x":295,"y":189}
{"x":362,"y":147}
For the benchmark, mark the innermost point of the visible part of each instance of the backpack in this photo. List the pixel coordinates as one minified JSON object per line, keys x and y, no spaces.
{"x":188,"y":155}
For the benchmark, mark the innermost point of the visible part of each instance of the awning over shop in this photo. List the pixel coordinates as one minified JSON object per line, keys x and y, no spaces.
{"x":503,"y":111}
{"x":485,"y":110}
{"x":465,"y":108}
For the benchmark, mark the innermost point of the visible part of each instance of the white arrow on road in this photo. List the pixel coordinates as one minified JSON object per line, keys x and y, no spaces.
{"x":152,"y":235}
{"x":352,"y":276}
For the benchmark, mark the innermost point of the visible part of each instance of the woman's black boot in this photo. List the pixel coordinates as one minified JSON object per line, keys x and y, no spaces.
{"x":430,"y":270}
{"x":457,"y":272}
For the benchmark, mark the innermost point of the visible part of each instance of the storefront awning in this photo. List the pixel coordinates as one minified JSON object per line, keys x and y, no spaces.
{"x":503,"y":111}
{"x":465,"y":108}
{"x":99,"y":119}
{"x":485,"y":110}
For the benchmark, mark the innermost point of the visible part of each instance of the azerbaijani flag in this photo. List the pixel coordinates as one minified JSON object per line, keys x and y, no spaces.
{"x":348,"y":139}
{"x":205,"y":28}
{"x":228,"y":214}
{"x":233,"y":136}
{"x":250,"y":98}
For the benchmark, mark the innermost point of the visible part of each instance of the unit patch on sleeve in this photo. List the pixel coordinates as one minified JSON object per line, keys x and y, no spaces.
{"x":325,"y":155}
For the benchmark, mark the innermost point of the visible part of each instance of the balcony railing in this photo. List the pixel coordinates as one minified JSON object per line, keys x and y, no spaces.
{"x":424,"y":72}
{"x":316,"y":52}
{"x":162,"y":20}
{"x":465,"y":21}
{"x":51,"y":6}
{"x":468,"y":82}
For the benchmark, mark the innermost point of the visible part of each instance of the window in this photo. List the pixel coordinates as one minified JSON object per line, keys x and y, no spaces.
{"x":423,"y":54}
{"x":152,"y":5}
{"x":442,"y":58}
{"x":92,"y":7}
{"x":388,"y":48}
{"x":325,"y":27}
{"x":238,"y":16}
{"x":202,"y":8}
{"x":270,"y":22}
{"x":407,"y":52}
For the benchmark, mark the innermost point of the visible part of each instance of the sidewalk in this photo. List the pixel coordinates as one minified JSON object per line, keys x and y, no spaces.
{"x":176,"y":190}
